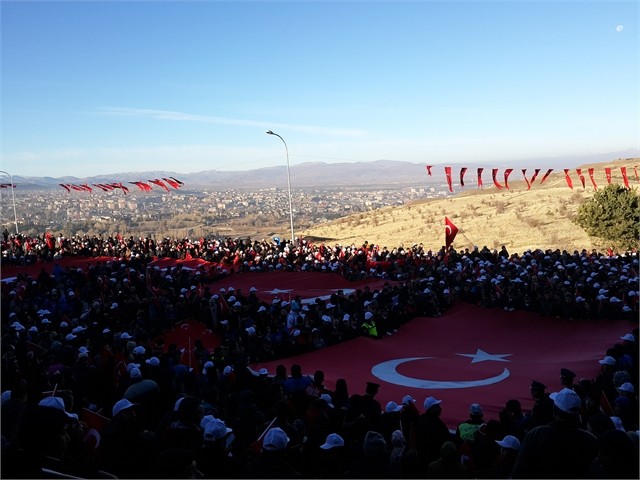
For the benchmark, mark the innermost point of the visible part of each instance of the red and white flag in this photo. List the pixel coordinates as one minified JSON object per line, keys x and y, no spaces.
{"x":447,"y":172}
{"x":450,"y":232}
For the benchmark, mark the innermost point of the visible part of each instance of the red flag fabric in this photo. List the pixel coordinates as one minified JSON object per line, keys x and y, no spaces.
{"x":450,"y":232}
{"x":172,"y":182}
{"x":480,"y":177}
{"x":568,"y":178}
{"x":507,"y":172}
{"x":591,"y":170}
{"x":159,"y":183}
{"x":145,"y":187}
{"x":581,"y":176}
{"x":429,"y":169}
{"x":546,"y":175}
{"x":177,"y":181}
{"x":447,"y":172}
{"x":535,"y":175}
{"x":463,"y":170}
{"x":623,"y":171}
{"x":494,"y":172}
{"x":86,"y":187}
{"x":66,"y":187}
{"x":524,"y":175}
{"x":607,"y":173}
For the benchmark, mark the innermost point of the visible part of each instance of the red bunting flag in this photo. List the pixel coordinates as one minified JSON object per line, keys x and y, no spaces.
{"x":607,"y":173}
{"x":429,"y":169}
{"x":591,"y":170}
{"x":546,"y":175}
{"x":65,"y":186}
{"x":494,"y":172}
{"x":450,"y":232}
{"x":568,"y":178}
{"x":507,"y":172}
{"x":447,"y":172}
{"x":172,"y":182}
{"x":145,"y":187}
{"x":480,"y":177}
{"x":535,"y":175}
{"x":463,"y":170}
{"x":623,"y":171}
{"x":524,"y":175}
{"x":7,"y":185}
{"x":581,"y":176}
{"x":159,"y":183}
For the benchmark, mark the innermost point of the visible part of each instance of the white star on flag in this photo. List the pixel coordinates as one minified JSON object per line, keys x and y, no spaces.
{"x":482,"y":356}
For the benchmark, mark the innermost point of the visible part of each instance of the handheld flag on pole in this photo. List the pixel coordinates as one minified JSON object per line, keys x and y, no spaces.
{"x":450,"y":232}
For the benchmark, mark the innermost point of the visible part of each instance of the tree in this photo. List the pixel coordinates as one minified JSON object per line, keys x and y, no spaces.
{"x":612,"y":214}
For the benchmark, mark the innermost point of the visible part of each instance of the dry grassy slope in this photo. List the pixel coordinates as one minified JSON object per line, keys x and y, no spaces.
{"x":519,"y":218}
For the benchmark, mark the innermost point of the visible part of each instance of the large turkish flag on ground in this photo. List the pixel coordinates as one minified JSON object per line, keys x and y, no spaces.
{"x":468,"y":355}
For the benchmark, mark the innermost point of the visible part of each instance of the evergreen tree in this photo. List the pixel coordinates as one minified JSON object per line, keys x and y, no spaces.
{"x":612,"y":214}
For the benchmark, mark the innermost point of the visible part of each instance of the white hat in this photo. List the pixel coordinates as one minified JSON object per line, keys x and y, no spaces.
{"x":430,"y":402}
{"x":139,"y":350}
{"x":275,"y":439}
{"x":392,"y":407}
{"x":262,"y":309}
{"x":135,"y":373}
{"x":121,"y":405}
{"x":346,"y":317}
{"x":408,"y":399}
{"x":253,"y":289}
{"x":327,"y":399}
{"x":626,"y":387}
{"x":628,"y":337}
{"x":207,"y":365}
{"x":263,"y":371}
{"x":368,"y":315}
{"x":125,"y":336}
{"x":114,"y":305}
{"x":57,"y":403}
{"x":215,"y":430}
{"x":153,"y":361}
{"x":250,"y":330}
{"x":567,"y":400}
{"x":232,"y":298}
{"x":617,"y":422}
{"x":227,"y":370}
{"x":509,"y":441}
{"x":70,"y":337}
{"x":333,"y":440}
{"x":608,"y":360}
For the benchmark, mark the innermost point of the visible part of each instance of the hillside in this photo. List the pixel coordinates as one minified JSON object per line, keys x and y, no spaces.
{"x":518,"y":218}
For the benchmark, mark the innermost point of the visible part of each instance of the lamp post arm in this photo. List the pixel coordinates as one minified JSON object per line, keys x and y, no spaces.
{"x":13,"y":198}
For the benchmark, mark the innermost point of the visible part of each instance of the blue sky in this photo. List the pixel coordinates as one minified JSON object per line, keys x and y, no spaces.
{"x":92,"y":88}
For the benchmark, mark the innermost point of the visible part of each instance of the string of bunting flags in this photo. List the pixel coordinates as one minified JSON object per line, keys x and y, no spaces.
{"x":108,"y":187}
{"x":530,"y":181}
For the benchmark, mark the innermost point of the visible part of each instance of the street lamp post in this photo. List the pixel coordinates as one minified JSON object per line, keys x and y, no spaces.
{"x":13,"y":198}
{"x":293,"y":238}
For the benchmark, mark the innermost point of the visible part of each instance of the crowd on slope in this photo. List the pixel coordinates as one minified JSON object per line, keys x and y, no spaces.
{"x":89,"y":337}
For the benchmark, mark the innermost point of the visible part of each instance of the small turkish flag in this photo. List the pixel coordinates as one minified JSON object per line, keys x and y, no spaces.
{"x":450,"y":232}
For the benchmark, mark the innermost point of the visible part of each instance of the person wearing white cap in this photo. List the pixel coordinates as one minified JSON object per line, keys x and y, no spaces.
{"x":509,"y":448}
{"x":272,"y":462}
{"x":560,"y":449}
{"x":431,"y":431}
{"x":332,"y":460}
{"x":118,"y":439}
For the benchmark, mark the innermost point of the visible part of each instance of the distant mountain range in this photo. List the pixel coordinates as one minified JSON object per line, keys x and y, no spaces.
{"x":321,"y":174}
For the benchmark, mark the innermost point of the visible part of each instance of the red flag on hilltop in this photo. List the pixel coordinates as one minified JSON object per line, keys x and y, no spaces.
{"x":172,"y":182}
{"x":535,"y":175}
{"x":429,"y":169}
{"x":581,"y":176}
{"x":447,"y":172}
{"x":494,"y":172}
{"x":607,"y":173}
{"x":524,"y":175}
{"x":623,"y":170}
{"x":546,"y":175}
{"x":463,"y":170}
{"x":568,"y":178}
{"x":591,"y":170}
{"x":450,"y":232}
{"x":507,"y":172}
{"x":480,"y":177}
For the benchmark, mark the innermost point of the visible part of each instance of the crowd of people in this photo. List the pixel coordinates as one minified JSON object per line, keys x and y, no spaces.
{"x":90,"y":390}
